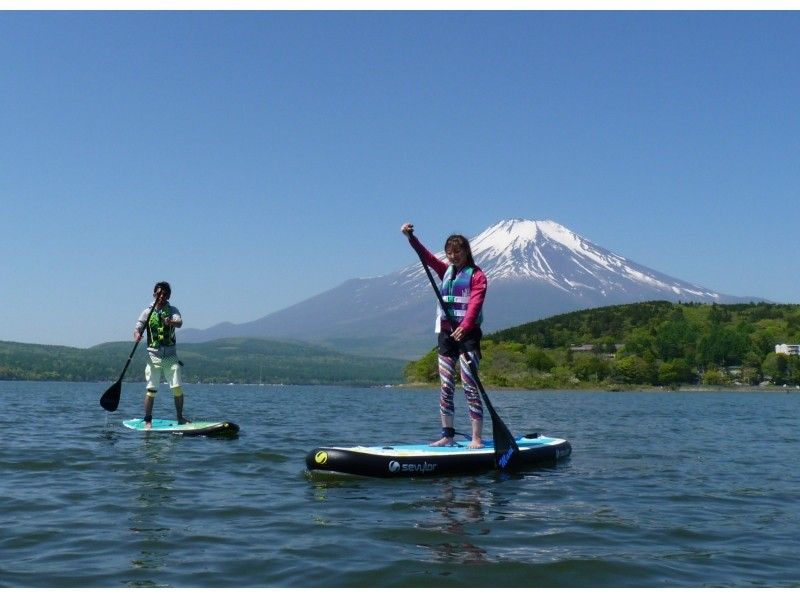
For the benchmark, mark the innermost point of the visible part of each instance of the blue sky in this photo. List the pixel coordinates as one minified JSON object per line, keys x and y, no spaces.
{"x":255,"y":159}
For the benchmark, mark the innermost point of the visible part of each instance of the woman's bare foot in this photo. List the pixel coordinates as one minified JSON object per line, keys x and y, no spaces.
{"x":476,"y":443}
{"x":444,"y":441}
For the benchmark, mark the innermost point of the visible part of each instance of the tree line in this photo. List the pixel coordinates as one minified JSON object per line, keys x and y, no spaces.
{"x":654,"y":343}
{"x":239,"y":360}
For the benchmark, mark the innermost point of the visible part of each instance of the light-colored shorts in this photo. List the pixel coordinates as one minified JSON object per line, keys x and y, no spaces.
{"x":167,"y":368}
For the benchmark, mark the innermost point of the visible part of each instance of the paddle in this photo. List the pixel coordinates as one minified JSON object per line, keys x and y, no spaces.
{"x":110,"y":399}
{"x":505,"y":447}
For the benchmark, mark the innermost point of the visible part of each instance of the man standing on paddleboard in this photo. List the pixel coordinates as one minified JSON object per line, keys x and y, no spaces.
{"x":463,"y":290}
{"x":162,"y":356}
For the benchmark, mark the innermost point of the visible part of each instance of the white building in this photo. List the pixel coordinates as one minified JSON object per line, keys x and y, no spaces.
{"x":788,"y":349}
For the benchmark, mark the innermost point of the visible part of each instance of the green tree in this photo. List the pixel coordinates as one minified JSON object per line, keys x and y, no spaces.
{"x":675,"y":338}
{"x":751,"y":375}
{"x":590,"y":368}
{"x":633,"y":369}
{"x":719,"y":314}
{"x":641,"y":343}
{"x":538,"y":359}
{"x":713,"y":377}
{"x":768,"y":334}
{"x":676,"y":371}
{"x":723,"y":346}
{"x":776,"y":366}
{"x":424,"y":370}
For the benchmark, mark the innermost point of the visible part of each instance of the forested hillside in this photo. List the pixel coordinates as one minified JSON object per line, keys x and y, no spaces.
{"x":241,"y":360}
{"x":653,"y":344}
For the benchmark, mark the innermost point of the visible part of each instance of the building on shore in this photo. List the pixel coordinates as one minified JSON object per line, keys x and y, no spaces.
{"x":788,"y":349}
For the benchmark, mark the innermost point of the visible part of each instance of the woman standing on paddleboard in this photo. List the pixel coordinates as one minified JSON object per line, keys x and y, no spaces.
{"x":463,"y":290}
{"x":162,"y":356}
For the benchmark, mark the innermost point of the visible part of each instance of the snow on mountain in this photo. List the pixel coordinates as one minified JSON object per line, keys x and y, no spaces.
{"x":535,"y":268}
{"x":547,"y":252}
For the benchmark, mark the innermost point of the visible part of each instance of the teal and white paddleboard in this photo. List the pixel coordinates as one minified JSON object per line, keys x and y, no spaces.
{"x":221,"y":428}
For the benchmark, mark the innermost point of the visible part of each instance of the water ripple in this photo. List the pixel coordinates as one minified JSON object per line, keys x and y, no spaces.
{"x":662,"y":490}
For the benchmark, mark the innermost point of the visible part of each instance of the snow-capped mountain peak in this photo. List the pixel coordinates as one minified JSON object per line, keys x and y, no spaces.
{"x":513,"y":248}
{"x":545,"y":251}
{"x":515,"y":232}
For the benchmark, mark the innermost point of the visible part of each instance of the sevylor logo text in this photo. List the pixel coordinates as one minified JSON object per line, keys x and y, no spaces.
{"x":425,"y":467}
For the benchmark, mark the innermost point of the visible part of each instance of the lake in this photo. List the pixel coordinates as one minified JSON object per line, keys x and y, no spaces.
{"x":682,"y":489}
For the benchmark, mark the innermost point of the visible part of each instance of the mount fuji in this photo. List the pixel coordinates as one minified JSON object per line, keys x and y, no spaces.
{"x":535,"y":268}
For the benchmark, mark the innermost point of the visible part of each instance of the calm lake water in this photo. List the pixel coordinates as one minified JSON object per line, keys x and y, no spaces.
{"x":663,"y":489}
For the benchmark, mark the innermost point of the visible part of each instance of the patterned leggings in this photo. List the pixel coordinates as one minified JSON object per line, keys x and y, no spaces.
{"x":447,"y":375}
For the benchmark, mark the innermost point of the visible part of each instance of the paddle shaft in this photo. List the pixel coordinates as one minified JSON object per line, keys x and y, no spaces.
{"x":136,"y":344}
{"x":110,"y":399}
{"x":497,"y":422}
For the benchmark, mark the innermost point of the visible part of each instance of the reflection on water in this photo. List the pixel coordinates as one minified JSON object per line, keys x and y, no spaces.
{"x":458,"y":514}
{"x":154,"y":482}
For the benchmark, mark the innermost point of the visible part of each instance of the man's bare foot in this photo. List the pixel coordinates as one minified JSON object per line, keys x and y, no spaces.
{"x":148,"y":425}
{"x":444,"y":441}
{"x":183,"y":420}
{"x":476,"y":443}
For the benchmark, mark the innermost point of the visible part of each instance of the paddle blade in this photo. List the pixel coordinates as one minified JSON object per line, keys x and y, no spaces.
{"x":506,"y":450}
{"x":110,"y":399}
{"x":505,"y":447}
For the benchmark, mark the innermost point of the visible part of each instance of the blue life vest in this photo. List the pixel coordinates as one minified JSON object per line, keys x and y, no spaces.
{"x":455,"y":293}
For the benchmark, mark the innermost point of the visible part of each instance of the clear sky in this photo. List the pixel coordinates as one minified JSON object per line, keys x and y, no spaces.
{"x":255,"y":159}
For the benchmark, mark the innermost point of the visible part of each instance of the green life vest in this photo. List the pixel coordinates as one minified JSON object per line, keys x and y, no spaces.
{"x":159,"y":334}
